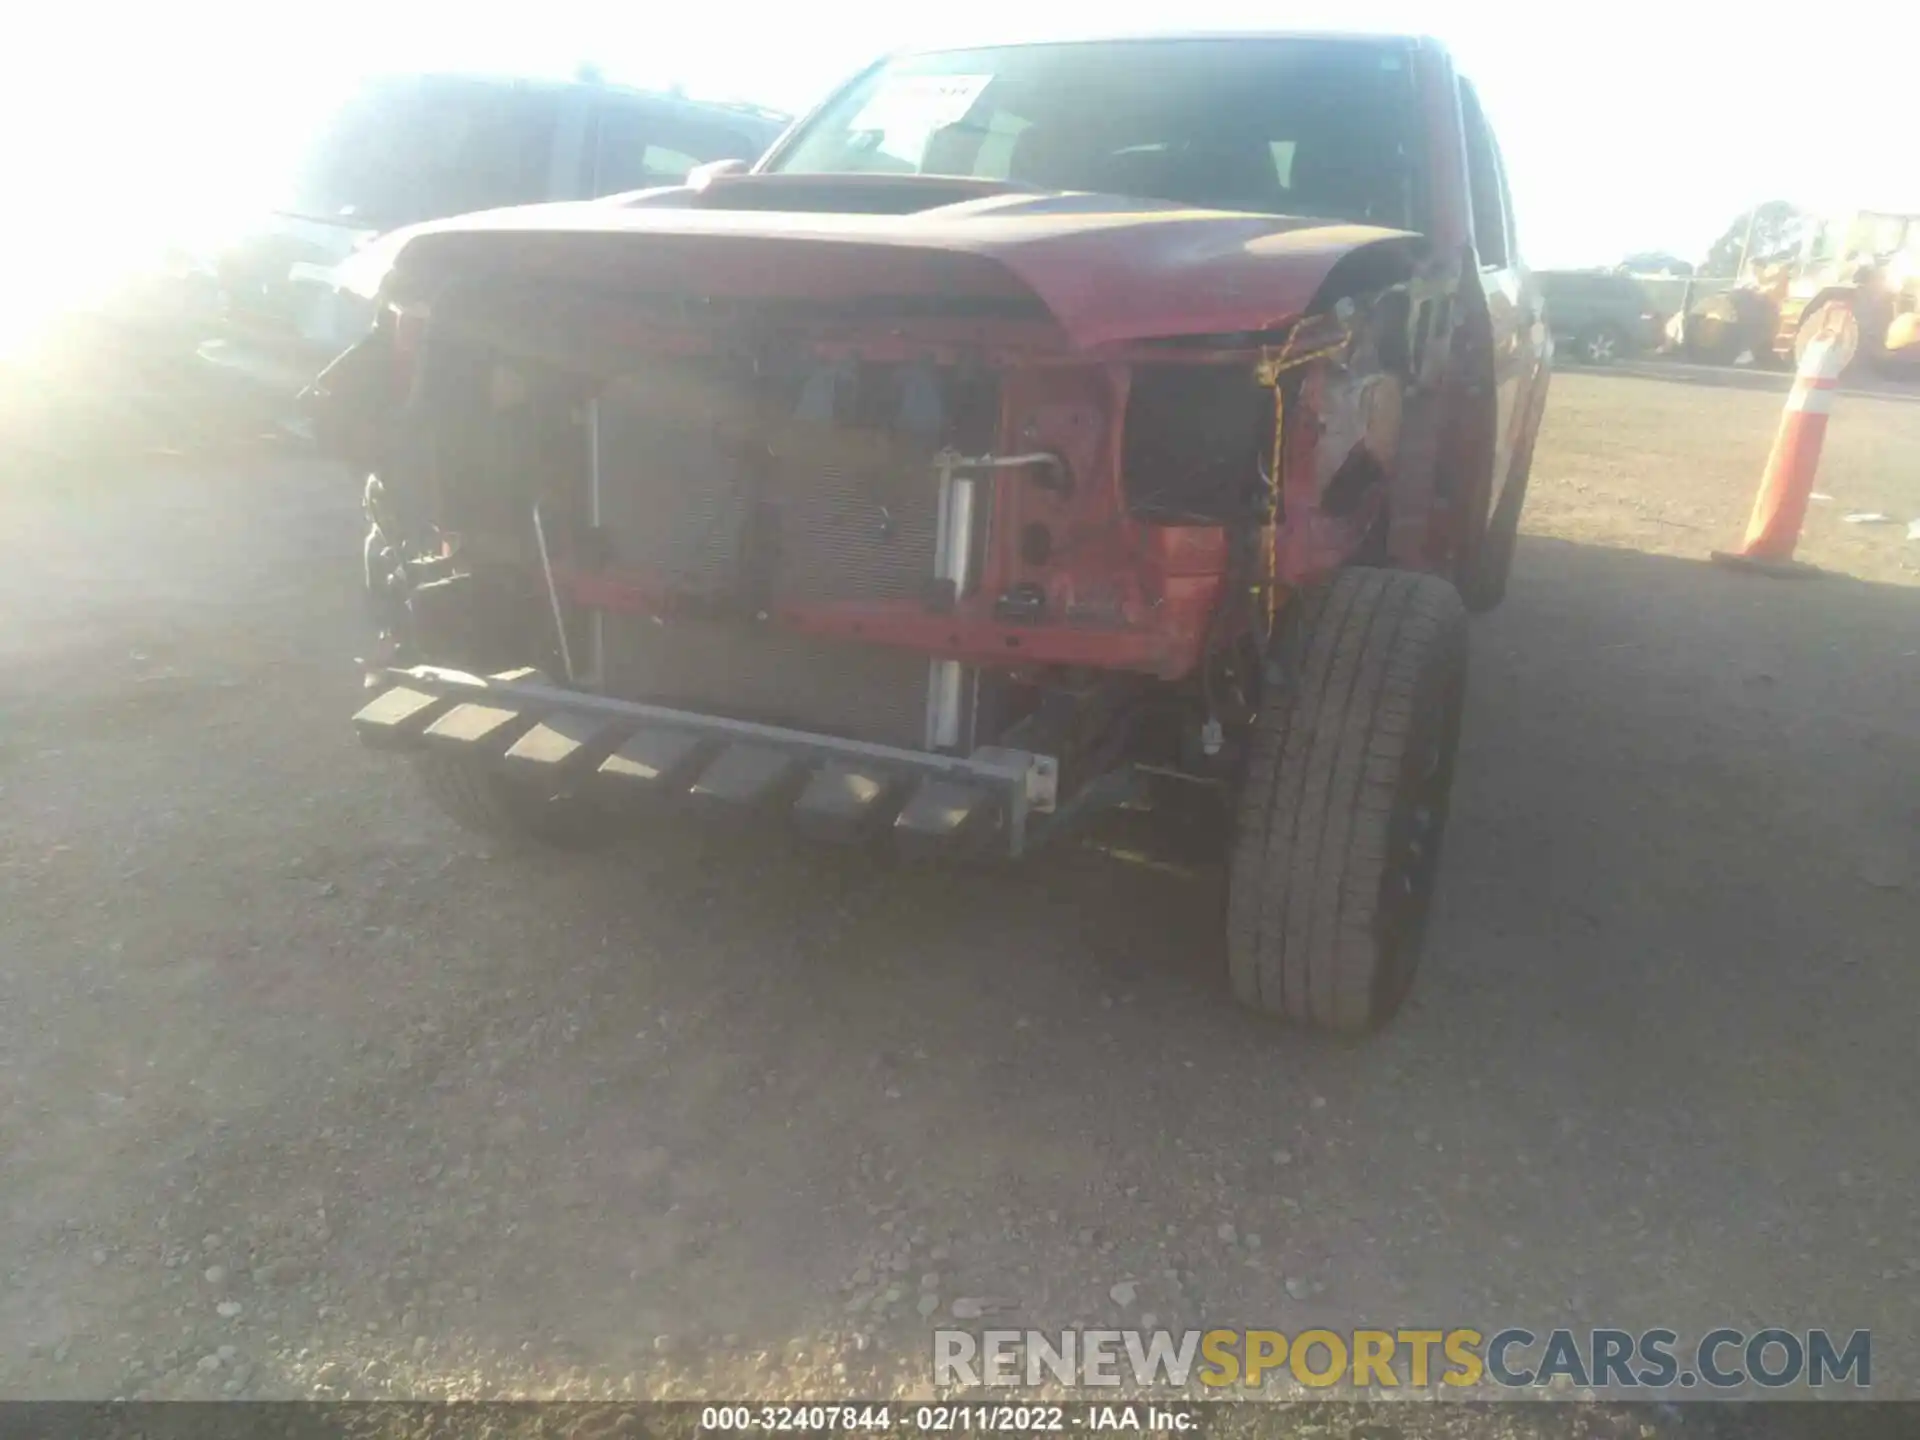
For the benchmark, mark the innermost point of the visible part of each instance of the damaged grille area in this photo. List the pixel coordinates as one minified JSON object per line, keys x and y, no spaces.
{"x":732,"y":491}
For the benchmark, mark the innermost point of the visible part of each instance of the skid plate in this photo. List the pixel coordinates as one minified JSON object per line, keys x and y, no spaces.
{"x":620,"y":749}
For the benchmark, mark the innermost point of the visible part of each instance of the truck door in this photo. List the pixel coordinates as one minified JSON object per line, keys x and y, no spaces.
{"x":1513,"y":296}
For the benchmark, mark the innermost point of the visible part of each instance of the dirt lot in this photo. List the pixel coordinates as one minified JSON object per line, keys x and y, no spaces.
{"x":1671,"y":468}
{"x":301,"y":1091}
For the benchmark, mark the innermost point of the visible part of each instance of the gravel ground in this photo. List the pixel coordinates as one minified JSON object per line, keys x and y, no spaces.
{"x":302,"y":1092}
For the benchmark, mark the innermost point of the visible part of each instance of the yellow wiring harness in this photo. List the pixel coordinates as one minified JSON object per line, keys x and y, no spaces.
{"x":1269,"y":371}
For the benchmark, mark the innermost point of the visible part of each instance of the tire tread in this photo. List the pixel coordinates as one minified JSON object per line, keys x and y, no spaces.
{"x":1324,"y":773}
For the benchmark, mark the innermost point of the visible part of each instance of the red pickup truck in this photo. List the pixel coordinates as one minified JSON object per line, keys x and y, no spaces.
{"x":1034,"y":428}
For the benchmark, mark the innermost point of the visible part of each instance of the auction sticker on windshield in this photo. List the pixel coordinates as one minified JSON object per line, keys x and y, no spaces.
{"x":919,"y":102}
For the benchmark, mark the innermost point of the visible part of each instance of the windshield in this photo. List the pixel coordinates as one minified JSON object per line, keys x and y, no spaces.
{"x":1314,"y":127}
{"x":406,"y":150}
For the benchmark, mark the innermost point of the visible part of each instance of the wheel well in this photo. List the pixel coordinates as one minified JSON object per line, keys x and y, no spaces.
{"x":1465,"y":470}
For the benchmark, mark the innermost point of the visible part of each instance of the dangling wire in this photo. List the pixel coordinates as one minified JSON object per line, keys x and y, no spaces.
{"x":1271,"y":371}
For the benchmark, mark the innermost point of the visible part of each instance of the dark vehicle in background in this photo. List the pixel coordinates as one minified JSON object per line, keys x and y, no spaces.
{"x":407,"y":149}
{"x":1599,"y":316}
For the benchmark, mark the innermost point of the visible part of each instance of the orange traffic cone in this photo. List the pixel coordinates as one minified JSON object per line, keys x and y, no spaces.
{"x":1780,"y":509}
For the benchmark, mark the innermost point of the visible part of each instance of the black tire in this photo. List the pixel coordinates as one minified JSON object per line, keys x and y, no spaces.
{"x":476,"y":797}
{"x":1344,"y":801}
{"x":1600,"y":345}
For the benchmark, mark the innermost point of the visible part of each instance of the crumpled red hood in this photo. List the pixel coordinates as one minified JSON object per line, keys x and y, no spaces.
{"x":1108,"y":270}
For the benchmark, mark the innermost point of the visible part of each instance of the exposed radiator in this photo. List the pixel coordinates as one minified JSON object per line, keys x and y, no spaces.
{"x":760,"y":672}
{"x":838,"y":512}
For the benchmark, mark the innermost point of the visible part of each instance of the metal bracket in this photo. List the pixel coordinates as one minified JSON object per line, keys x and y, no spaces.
{"x":949,"y":462}
{"x":953,"y":555}
{"x":1042,"y":771}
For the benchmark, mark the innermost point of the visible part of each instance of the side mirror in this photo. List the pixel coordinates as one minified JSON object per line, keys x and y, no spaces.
{"x":701,"y":176}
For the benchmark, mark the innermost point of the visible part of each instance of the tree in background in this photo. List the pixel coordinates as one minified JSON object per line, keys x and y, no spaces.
{"x":1777,"y":229}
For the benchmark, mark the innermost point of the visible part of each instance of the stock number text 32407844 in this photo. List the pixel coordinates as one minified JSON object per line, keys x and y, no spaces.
{"x":744,"y":1419}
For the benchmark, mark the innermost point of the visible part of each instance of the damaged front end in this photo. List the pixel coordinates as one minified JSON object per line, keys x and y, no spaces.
{"x":888,"y":536}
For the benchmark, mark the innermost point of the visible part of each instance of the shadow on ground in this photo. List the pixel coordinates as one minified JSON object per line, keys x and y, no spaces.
{"x":714,"y":1116}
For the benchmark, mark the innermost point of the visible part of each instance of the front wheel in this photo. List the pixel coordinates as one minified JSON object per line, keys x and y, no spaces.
{"x":1344,"y":801}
